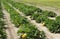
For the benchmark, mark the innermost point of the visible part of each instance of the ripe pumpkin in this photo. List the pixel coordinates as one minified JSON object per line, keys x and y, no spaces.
{"x":24,"y":35}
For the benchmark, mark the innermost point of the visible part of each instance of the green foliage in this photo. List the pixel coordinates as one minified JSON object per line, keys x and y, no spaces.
{"x":27,"y":10}
{"x":2,"y":31}
{"x":38,"y":10}
{"x":45,"y":13}
{"x":1,"y":14}
{"x":24,"y":25}
{"x":52,"y":14}
{"x":32,"y":32}
{"x":49,"y":13}
{"x":58,"y":18}
{"x":53,"y":26}
{"x":34,"y":16}
{"x":49,"y":23}
{"x":15,"y":17}
{"x":41,"y":18}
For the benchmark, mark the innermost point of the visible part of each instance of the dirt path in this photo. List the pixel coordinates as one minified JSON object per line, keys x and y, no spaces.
{"x":38,"y":25}
{"x":11,"y":34}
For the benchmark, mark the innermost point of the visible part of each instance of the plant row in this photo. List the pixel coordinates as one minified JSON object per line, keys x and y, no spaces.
{"x":40,"y":16}
{"x":2,"y":29}
{"x":29,"y":10}
{"x":26,"y":29}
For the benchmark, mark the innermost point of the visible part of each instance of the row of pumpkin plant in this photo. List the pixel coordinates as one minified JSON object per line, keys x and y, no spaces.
{"x":26,"y":29}
{"x":2,"y":24}
{"x":40,"y":16}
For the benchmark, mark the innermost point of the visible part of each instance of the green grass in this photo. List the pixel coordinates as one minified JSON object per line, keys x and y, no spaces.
{"x":51,"y":3}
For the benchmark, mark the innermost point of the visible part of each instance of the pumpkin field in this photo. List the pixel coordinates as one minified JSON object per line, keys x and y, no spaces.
{"x":21,"y":21}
